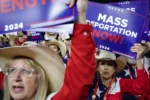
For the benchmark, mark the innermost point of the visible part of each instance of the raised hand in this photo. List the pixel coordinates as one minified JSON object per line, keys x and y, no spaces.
{"x":81,"y":7}
{"x":139,"y":49}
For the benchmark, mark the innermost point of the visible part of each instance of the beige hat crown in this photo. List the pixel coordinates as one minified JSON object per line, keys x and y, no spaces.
{"x":60,"y":44}
{"x":106,"y":55}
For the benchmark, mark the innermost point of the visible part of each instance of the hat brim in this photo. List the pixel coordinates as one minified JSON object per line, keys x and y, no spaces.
{"x":121,"y":63}
{"x":49,"y":60}
{"x":59,"y":44}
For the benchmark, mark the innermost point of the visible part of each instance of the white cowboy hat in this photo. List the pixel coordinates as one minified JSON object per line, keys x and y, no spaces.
{"x":60,"y":44}
{"x":106,"y":55}
{"x":49,"y":60}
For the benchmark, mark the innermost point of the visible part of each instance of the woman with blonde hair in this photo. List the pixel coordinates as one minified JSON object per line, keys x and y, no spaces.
{"x":31,"y":72}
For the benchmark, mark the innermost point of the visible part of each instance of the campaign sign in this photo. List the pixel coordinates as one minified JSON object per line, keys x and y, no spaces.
{"x":65,"y":28}
{"x":17,"y":15}
{"x":115,"y":29}
{"x":36,"y":36}
{"x":139,"y":7}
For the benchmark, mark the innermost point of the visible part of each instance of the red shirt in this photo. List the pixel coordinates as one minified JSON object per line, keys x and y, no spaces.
{"x":146,"y":96}
{"x":19,"y":42}
{"x":81,"y":66}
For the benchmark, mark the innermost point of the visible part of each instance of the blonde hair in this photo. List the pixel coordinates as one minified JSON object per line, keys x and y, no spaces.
{"x":43,"y":84}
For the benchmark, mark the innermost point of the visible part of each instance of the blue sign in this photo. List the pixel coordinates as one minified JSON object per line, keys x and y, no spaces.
{"x":138,"y":6}
{"x":37,"y":36}
{"x":18,"y":15}
{"x":65,"y":28}
{"x":115,"y":29}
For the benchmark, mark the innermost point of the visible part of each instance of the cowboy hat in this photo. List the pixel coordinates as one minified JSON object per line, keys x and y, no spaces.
{"x":50,"y":36}
{"x":48,"y":59}
{"x":60,"y":44}
{"x":12,"y":37}
{"x":106,"y":55}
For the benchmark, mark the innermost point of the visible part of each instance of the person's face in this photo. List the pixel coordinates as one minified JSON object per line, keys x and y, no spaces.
{"x":54,"y":48}
{"x":20,"y":34}
{"x":21,"y":87}
{"x":106,"y":69}
{"x":68,"y":45}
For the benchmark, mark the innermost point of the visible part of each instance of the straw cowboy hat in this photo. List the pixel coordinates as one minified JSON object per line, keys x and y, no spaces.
{"x":106,"y":55}
{"x":50,"y":36}
{"x":12,"y":37}
{"x":60,"y":44}
{"x":49,"y":60}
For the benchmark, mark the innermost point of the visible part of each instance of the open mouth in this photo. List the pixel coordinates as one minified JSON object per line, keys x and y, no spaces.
{"x":105,"y":73}
{"x":17,"y":89}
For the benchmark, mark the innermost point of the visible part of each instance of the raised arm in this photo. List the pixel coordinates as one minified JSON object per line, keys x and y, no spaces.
{"x":136,"y":86}
{"x":81,"y":65}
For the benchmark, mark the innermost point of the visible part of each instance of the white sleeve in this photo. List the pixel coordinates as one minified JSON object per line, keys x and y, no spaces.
{"x":49,"y":97}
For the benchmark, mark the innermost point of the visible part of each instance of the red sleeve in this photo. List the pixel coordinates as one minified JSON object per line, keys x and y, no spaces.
{"x":81,"y":65}
{"x":1,"y":80}
{"x":135,"y":86}
{"x":146,"y":96}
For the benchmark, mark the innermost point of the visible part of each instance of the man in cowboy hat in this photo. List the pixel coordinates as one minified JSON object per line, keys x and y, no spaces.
{"x":58,"y":46}
{"x":33,"y":72}
{"x":107,"y":87}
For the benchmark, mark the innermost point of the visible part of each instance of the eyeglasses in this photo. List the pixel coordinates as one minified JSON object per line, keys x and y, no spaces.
{"x":11,"y":72}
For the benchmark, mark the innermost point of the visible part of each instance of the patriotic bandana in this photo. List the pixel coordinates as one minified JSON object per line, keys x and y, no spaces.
{"x":101,"y":90}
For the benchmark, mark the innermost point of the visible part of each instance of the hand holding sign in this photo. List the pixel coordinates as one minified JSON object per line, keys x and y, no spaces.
{"x":139,"y":49}
{"x":81,"y":7}
{"x":70,"y":3}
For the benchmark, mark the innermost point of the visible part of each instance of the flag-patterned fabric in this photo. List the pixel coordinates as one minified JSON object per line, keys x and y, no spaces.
{"x":128,"y":72}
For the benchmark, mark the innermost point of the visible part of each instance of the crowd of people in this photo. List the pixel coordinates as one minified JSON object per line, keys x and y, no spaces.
{"x":70,"y":68}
